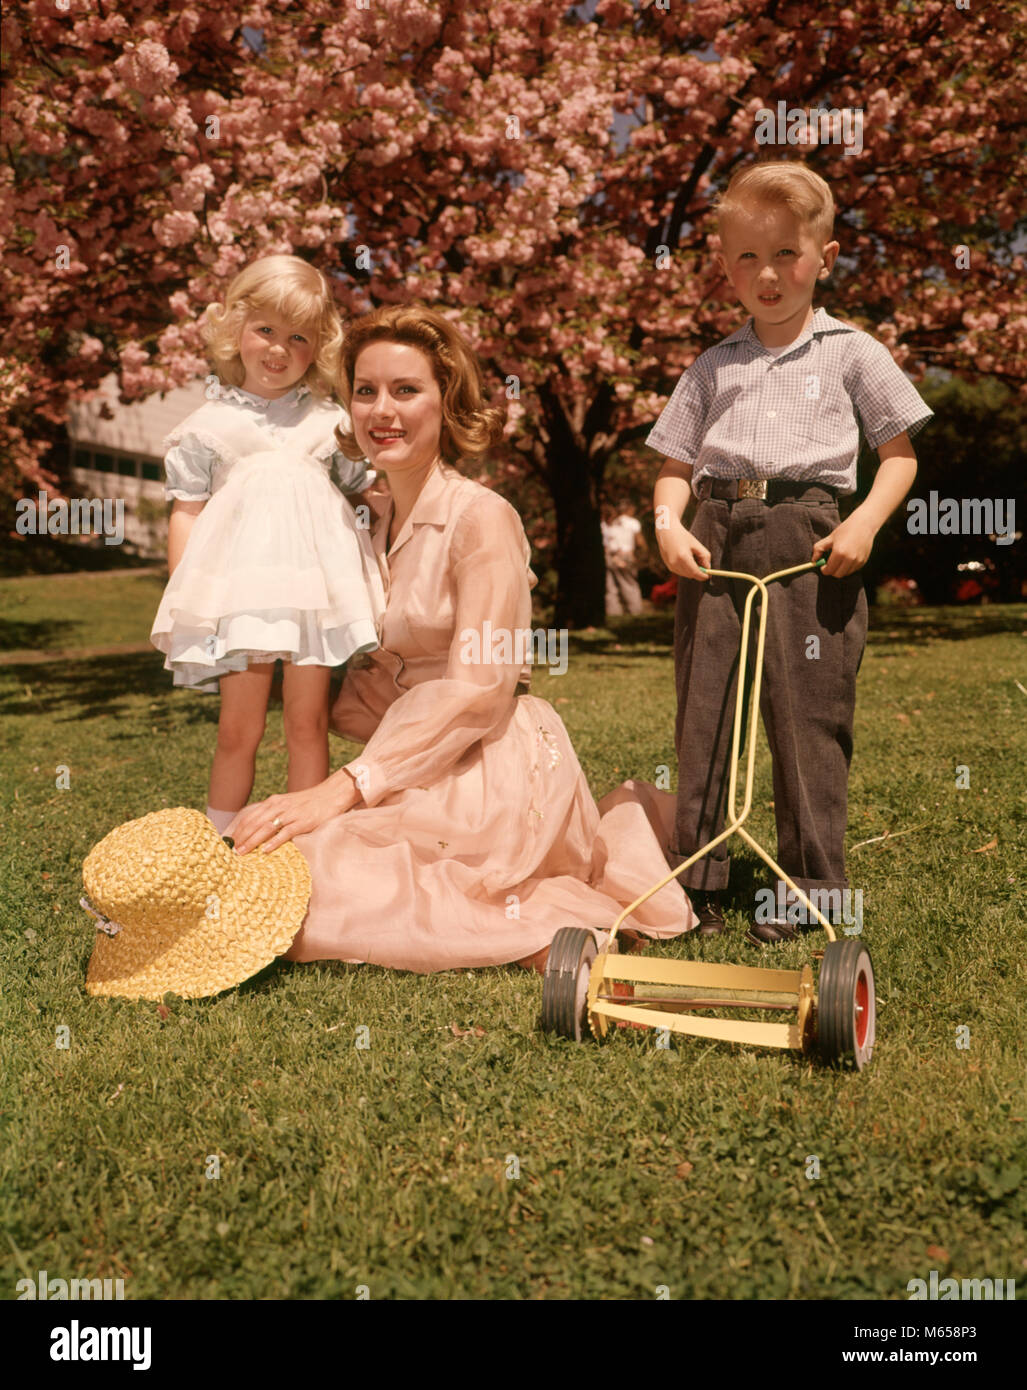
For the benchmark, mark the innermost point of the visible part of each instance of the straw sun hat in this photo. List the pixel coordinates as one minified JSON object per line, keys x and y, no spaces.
{"x":178,"y":911}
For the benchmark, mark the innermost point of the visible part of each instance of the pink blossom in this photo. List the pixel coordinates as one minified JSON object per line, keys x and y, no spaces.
{"x":90,"y":349}
{"x":146,"y":68}
{"x":176,"y":228}
{"x":391,"y":127}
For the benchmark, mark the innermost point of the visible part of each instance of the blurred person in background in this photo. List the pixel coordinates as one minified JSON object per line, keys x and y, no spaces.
{"x":622,"y":542}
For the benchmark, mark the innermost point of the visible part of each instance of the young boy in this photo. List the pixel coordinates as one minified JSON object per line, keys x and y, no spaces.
{"x":763,"y":430}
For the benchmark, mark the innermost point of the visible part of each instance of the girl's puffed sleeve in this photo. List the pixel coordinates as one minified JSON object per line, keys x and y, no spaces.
{"x":344,"y":473}
{"x":188,"y":465}
{"x":349,"y":476}
{"x":424,"y":733}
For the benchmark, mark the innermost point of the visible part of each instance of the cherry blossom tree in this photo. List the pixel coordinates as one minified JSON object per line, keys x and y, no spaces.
{"x":543,"y":172}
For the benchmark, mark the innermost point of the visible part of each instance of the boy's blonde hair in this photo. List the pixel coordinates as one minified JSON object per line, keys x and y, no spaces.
{"x":786,"y":181}
{"x":470,"y":426}
{"x":284,"y":285}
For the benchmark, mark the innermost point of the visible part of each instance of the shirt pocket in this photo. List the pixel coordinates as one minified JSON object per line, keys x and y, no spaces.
{"x":819,"y":417}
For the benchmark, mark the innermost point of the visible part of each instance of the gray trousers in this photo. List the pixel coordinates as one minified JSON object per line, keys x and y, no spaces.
{"x":808,"y":692}
{"x":622,"y":590}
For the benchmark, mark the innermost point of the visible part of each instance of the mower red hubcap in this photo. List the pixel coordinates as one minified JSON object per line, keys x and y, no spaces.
{"x":862,"y":1009}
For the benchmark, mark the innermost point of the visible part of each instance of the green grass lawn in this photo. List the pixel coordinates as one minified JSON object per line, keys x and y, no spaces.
{"x":464,"y":1154}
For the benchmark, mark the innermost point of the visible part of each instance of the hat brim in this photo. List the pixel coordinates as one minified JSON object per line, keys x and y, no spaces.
{"x":257,"y":919}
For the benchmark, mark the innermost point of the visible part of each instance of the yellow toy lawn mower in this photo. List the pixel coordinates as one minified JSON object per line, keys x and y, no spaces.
{"x":591,"y":988}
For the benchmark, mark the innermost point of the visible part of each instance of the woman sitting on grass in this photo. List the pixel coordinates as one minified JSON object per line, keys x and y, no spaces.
{"x":465,"y":833}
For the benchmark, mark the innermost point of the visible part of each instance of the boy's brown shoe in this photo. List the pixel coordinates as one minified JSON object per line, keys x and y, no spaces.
{"x":708,"y":910}
{"x":771,"y":933}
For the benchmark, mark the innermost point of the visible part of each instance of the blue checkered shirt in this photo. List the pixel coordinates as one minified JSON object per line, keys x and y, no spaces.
{"x":740,"y":412}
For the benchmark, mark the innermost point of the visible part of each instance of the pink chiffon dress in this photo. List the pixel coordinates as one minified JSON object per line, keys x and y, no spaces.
{"x":477,"y":838}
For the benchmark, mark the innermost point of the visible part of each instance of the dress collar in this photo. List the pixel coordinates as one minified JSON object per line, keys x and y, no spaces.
{"x":293,"y":397}
{"x":433,"y":507}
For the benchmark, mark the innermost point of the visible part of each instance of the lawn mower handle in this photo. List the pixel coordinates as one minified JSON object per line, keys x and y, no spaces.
{"x":736,"y":817}
{"x":797,"y":569}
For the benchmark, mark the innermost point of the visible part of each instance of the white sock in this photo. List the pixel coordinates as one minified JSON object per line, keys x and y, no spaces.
{"x":222,"y":819}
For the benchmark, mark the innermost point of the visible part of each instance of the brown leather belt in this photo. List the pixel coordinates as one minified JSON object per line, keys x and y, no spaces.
{"x":768,"y":490}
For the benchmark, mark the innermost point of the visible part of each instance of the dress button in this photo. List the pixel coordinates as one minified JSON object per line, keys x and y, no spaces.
{"x":771,"y":414}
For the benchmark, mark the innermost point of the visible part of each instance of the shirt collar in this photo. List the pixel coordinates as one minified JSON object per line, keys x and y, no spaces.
{"x":822,"y":322}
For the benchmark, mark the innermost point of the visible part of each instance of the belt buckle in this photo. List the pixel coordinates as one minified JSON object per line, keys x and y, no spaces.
{"x":752,"y":487}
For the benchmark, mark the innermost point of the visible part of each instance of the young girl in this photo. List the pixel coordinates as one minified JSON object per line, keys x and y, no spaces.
{"x":274,"y":564}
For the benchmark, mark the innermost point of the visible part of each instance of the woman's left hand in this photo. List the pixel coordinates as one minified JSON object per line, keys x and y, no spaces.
{"x":272,"y":822}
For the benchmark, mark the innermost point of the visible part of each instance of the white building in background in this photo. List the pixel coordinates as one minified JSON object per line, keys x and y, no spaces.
{"x":123,"y":456}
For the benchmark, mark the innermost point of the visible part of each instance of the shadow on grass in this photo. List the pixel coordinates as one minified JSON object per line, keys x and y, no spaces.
{"x":749,"y":874}
{"x":90,"y":688}
{"x":47,"y":633}
{"x":953,"y":623}
{"x":55,"y":555}
{"x":639,"y":636}
{"x":641,"y":633}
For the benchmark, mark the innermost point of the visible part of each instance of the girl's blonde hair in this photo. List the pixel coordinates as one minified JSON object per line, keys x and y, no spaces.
{"x":470,"y":427}
{"x":284,"y":285}
{"x":786,"y":181}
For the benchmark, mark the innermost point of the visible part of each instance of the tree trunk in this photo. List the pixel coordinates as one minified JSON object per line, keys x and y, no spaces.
{"x":575,"y":479}
{"x":581,"y":566}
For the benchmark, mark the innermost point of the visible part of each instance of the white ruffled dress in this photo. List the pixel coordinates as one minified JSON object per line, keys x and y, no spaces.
{"x":278,"y":564}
